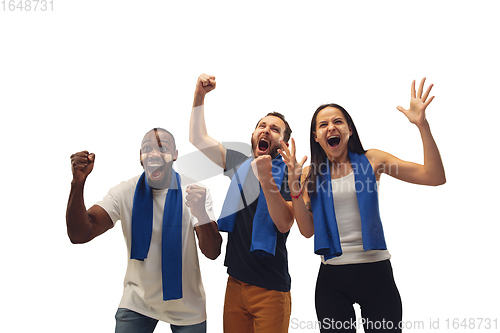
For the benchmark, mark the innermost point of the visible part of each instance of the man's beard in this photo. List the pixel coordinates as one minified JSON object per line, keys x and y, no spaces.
{"x":273,"y":152}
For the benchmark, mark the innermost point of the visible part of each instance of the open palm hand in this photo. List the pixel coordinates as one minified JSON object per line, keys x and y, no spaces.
{"x":418,"y":104}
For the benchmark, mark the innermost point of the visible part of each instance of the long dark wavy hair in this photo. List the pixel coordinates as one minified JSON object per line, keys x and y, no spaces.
{"x":318,"y":156}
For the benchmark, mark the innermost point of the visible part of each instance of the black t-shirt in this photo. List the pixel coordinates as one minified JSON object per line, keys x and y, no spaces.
{"x":265,"y":272}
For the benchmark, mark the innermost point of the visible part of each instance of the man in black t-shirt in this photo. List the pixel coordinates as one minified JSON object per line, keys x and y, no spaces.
{"x":258,"y":289}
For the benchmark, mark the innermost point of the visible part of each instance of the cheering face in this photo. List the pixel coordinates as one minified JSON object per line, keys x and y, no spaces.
{"x":267,"y":135}
{"x":332,"y":132}
{"x":157,"y":156}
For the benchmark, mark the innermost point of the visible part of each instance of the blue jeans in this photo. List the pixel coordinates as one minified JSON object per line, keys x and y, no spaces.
{"x":128,"y":321}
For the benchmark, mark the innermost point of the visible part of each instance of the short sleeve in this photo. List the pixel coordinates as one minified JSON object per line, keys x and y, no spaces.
{"x":110,"y":203}
{"x":233,"y":160}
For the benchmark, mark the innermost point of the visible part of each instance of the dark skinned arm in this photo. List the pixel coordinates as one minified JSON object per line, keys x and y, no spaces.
{"x":83,"y":225}
{"x":209,"y":238}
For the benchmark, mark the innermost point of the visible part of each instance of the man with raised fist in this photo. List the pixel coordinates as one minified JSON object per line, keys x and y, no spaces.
{"x":160,"y":215}
{"x":257,"y":215}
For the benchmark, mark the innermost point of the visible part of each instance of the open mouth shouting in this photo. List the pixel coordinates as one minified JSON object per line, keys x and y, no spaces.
{"x":155,"y":169}
{"x":263,"y":145}
{"x":333,"y":141}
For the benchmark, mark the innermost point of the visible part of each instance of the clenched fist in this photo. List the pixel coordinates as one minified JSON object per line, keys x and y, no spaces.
{"x":82,"y":164}
{"x":262,"y":167}
{"x":195,"y":200}
{"x":205,"y":84}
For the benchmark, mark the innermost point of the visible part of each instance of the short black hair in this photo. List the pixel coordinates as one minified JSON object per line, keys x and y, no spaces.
{"x":156,"y":129}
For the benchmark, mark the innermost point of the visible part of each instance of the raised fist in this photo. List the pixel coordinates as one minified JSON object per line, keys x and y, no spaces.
{"x":195,"y":200}
{"x":205,"y":84}
{"x":82,"y":164}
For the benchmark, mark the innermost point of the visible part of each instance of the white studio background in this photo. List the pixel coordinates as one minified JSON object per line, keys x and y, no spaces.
{"x":96,"y":75}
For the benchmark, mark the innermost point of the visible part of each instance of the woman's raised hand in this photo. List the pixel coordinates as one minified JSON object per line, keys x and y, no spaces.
{"x":294,"y":167}
{"x":418,"y":104}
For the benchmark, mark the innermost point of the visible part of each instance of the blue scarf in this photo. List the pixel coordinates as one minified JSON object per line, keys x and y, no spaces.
{"x":264,"y":230}
{"x":326,"y":234}
{"x":171,"y":241}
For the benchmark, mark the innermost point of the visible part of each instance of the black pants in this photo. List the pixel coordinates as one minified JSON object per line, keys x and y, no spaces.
{"x":370,"y":285}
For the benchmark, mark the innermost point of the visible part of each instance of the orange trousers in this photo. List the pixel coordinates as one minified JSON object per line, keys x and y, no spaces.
{"x":251,"y":309}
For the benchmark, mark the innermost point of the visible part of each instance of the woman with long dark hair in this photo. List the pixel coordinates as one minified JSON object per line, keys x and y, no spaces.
{"x":336,"y":200}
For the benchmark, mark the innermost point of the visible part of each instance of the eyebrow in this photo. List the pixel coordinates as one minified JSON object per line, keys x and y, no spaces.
{"x":334,"y":119}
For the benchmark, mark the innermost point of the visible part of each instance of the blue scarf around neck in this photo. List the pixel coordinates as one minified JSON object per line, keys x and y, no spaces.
{"x":263,"y":230}
{"x":326,"y":234}
{"x":171,"y":241}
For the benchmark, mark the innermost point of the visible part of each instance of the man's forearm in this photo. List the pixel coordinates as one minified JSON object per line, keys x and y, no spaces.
{"x":199,"y":137}
{"x":197,"y":127}
{"x":77,"y":220}
{"x":209,"y":239}
{"x":280,"y":211}
{"x":198,"y":100}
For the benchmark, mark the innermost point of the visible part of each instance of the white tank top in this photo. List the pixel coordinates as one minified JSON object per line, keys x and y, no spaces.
{"x":349,"y":225}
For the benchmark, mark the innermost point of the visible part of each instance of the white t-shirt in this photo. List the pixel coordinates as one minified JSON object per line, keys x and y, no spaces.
{"x":142,"y":291}
{"x":349,"y":225}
